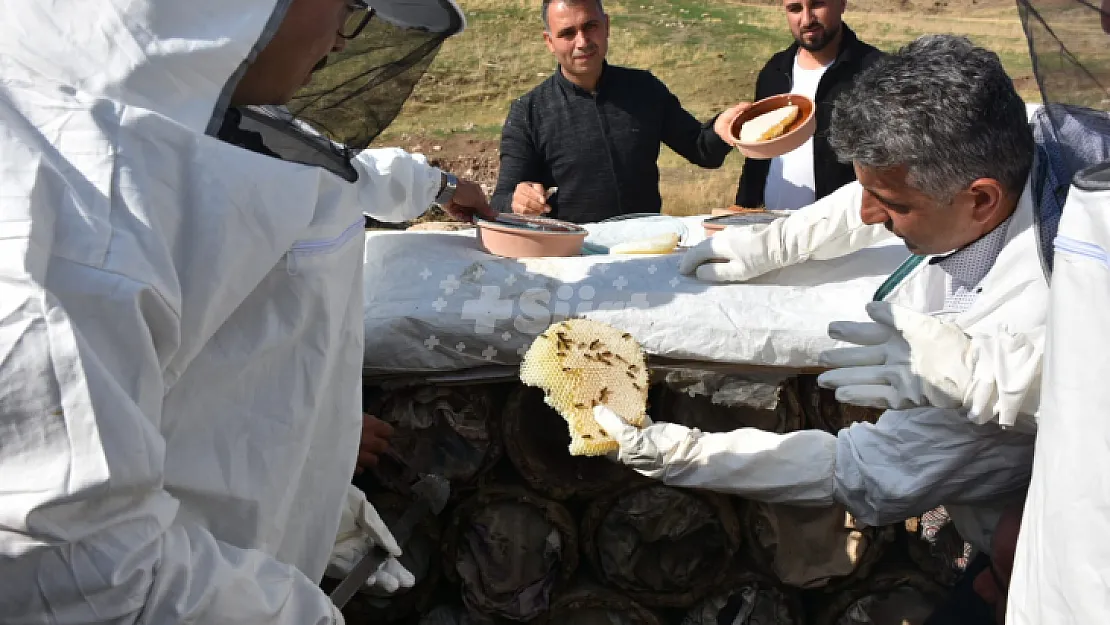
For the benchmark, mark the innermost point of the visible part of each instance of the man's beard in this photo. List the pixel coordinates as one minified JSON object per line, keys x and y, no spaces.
{"x":819,"y":44}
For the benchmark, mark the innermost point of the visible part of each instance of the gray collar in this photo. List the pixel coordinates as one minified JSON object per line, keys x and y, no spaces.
{"x":968,"y":265}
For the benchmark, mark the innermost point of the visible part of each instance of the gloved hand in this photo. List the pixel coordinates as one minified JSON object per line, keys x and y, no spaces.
{"x":908,"y":360}
{"x":650,"y":450}
{"x":792,"y":468}
{"x":735,"y":254}
{"x":829,"y":228}
{"x":360,"y":529}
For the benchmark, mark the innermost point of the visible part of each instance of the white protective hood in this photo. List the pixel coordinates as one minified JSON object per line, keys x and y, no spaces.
{"x":432,"y":16}
{"x":180,"y":327}
{"x":180,"y":60}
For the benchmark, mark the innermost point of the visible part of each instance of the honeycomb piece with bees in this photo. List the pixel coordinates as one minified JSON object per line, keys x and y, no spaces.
{"x":580,"y":364}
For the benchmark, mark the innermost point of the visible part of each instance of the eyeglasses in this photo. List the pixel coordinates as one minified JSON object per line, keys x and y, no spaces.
{"x":357,"y":20}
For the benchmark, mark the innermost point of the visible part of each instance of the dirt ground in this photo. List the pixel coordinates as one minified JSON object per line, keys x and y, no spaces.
{"x":465,"y":156}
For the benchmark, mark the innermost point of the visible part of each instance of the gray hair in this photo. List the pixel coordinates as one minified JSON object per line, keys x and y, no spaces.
{"x":546,"y":3}
{"x":943,"y":108}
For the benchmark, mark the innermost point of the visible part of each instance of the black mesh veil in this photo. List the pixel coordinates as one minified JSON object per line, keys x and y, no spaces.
{"x":1070,"y":49}
{"x":360,"y":90}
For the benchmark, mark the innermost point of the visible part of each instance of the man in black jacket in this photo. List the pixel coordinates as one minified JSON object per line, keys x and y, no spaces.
{"x":824,"y":59}
{"x":593,"y":129}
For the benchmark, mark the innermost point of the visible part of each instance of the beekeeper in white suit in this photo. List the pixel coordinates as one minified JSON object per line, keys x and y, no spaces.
{"x":906,"y":358}
{"x":960,"y":199}
{"x":909,"y":359}
{"x":912,"y":360}
{"x":1061,"y":560}
{"x":1060,"y":569}
{"x":180,"y":319}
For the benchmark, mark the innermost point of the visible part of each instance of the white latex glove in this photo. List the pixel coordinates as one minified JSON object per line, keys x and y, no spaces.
{"x":792,"y":468}
{"x":908,"y":360}
{"x":735,"y":254}
{"x":651,"y":450}
{"x":829,"y":228}
{"x":360,"y":529}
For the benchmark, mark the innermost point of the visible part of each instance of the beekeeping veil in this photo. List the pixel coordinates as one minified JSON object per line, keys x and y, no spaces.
{"x":356,"y":93}
{"x":1070,"y":51}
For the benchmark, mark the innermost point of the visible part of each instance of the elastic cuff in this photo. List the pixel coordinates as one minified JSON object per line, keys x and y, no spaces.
{"x":432,"y":180}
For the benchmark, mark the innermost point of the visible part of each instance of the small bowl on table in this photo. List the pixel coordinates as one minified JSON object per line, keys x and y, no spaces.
{"x":730,"y":210}
{"x":524,"y":236}
{"x":749,"y":217}
{"x":797,"y":133}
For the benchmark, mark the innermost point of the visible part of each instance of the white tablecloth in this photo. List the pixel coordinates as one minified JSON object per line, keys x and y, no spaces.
{"x":434,"y":302}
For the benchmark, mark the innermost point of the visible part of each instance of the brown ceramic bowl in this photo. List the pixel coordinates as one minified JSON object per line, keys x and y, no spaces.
{"x":520,"y":236}
{"x":749,"y":217}
{"x":731,"y":210}
{"x":796,"y":134}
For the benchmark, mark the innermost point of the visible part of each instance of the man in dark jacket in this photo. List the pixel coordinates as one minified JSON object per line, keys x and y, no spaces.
{"x":594,"y":130}
{"x":823,"y":61}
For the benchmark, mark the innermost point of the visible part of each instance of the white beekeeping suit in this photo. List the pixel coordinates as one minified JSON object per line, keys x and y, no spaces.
{"x":395,"y":185}
{"x":180,"y":327}
{"x":1063,"y":559}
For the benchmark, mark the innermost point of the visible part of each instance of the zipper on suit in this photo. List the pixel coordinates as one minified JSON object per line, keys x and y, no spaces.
{"x":896,"y":278}
{"x":314,"y":247}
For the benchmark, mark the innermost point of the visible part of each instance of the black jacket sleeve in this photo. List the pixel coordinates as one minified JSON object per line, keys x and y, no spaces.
{"x":520,"y":159}
{"x":753,"y":176}
{"x":689,"y":138}
{"x":871,"y":56}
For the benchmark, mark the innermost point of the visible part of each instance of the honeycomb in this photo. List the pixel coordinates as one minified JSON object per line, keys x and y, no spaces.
{"x":769,"y":125}
{"x":662,"y":244}
{"x":580,"y":364}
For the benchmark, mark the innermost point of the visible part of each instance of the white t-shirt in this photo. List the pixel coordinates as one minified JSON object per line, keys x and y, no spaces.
{"x":790,"y":182}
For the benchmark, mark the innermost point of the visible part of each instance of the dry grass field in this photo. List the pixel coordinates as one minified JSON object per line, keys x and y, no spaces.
{"x":707,"y":52}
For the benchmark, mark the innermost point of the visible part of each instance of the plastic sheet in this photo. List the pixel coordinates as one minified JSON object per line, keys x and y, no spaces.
{"x":589,"y":604}
{"x":811,"y":547}
{"x":510,"y":550}
{"x":902,"y":597}
{"x":663,"y":547}
{"x":451,"y":307}
{"x":748,"y":599}
{"x":536,"y":440}
{"x":823,"y":412}
{"x":451,"y":432}
{"x":714,"y":402}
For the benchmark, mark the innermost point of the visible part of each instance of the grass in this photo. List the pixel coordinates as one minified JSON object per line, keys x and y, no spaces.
{"x":708,"y":53}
